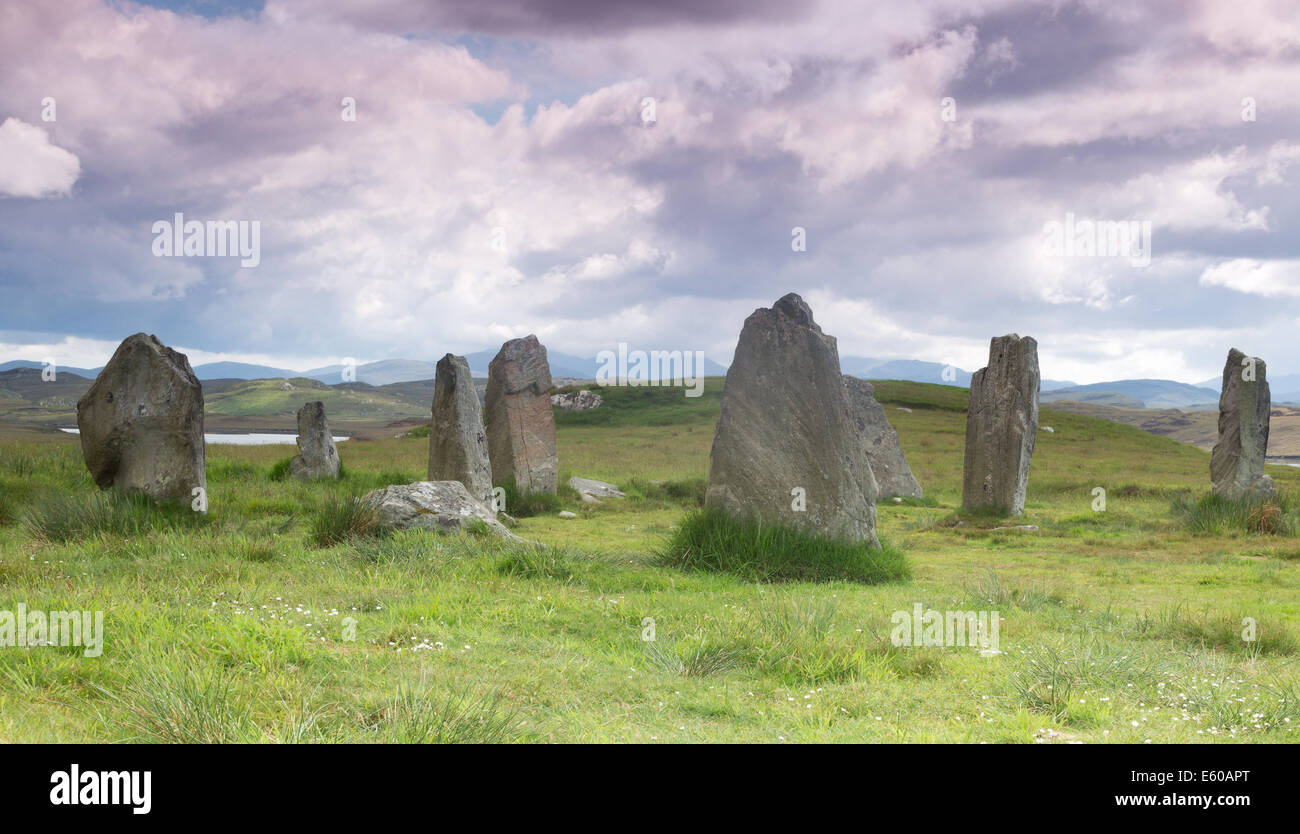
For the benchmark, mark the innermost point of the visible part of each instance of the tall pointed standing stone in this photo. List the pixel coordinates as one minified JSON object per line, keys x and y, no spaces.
{"x":786,"y":449}
{"x":458,"y":447}
{"x":1237,"y":462}
{"x":893,"y":476}
{"x":317,"y":456}
{"x":1001,"y":426}
{"x":141,"y":423}
{"x":520,"y":423}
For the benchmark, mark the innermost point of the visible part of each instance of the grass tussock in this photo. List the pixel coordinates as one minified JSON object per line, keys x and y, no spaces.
{"x":695,"y":658}
{"x":536,"y":562}
{"x":710,"y":540}
{"x":1215,"y":515}
{"x":171,"y":701}
{"x":990,"y":590}
{"x":1049,"y":679}
{"x":343,"y":518}
{"x":795,"y":641}
{"x":419,"y":716}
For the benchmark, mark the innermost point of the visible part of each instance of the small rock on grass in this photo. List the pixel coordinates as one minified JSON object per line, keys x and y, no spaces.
{"x":567,"y":514}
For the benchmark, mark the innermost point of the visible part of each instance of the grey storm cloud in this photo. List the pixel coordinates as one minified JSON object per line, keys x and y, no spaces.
{"x":540,"y":18}
{"x":423,"y":226}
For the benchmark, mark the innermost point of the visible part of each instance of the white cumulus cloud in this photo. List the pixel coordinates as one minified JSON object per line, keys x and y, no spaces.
{"x":30,"y":165}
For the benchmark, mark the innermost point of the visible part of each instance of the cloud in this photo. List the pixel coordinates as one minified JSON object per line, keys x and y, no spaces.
{"x":426,"y":226}
{"x":30,"y":166}
{"x":1271,"y":279}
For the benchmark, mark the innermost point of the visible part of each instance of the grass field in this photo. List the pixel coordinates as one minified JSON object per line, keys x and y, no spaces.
{"x":1120,"y":626}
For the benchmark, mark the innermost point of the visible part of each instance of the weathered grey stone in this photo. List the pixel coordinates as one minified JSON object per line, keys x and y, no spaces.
{"x":520,"y":422}
{"x":598,"y":489}
{"x":888,"y":465}
{"x":1001,"y":426}
{"x":583,"y":400}
{"x":444,"y":506}
{"x":458,"y":447}
{"x":1237,"y":462}
{"x":786,"y":426}
{"x":141,"y":423}
{"x":317,"y":456}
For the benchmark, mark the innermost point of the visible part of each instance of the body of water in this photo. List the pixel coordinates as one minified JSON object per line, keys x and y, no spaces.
{"x":245,"y":439}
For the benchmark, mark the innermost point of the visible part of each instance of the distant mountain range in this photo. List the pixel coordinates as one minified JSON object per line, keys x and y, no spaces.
{"x":1139,"y":393}
{"x":916,"y":370}
{"x":1282,"y":389}
{"x":382,"y":372}
{"x":1125,"y":393}
{"x":88,"y":373}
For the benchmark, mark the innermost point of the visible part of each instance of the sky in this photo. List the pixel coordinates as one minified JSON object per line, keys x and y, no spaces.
{"x":503,"y":174}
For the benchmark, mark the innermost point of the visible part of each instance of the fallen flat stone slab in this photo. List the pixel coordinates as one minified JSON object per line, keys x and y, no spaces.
{"x":442,"y":506}
{"x":598,"y":489}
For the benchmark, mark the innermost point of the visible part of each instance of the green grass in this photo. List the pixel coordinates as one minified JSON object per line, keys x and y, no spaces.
{"x":63,"y":517}
{"x":709,"y":539}
{"x":528,"y":504}
{"x":626,"y":406}
{"x":241,"y":627}
{"x":280,"y":469}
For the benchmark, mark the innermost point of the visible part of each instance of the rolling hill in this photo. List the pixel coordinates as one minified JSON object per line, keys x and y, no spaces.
{"x":916,"y":370}
{"x":1139,"y":393}
{"x":283,"y":398}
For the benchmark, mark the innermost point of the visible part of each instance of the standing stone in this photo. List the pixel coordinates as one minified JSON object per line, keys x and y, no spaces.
{"x":458,"y":447}
{"x":317,"y":457}
{"x":141,"y":423}
{"x":520,"y":423}
{"x":1237,"y":462}
{"x":1001,"y":426}
{"x":884,"y":453}
{"x":786,"y":449}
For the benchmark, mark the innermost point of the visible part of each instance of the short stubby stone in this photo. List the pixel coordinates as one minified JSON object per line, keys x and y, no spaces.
{"x":1237,"y":461}
{"x":1001,"y":427}
{"x":317,"y":455}
{"x":596,"y":489}
{"x":520,"y":421}
{"x":458,"y":447}
{"x":893,"y":476}
{"x":141,"y":423}
{"x":441,"y":506}
{"x":786,"y":449}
